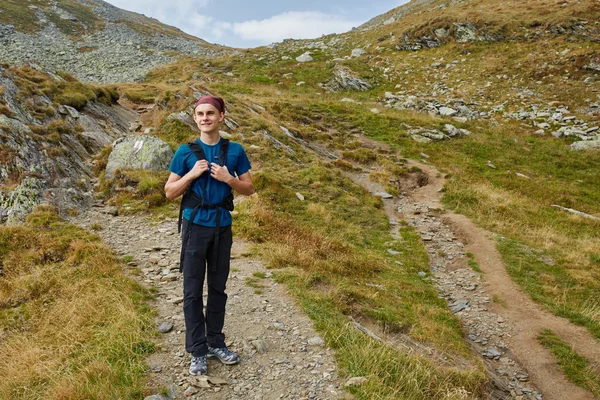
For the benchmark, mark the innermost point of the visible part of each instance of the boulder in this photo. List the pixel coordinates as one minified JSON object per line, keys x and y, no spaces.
{"x":358,"y":52}
{"x":139,"y":152}
{"x":586,"y":145}
{"x":305,"y":57}
{"x":346,"y":79}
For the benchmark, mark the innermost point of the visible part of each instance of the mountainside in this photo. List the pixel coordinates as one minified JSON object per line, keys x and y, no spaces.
{"x":427,"y":188}
{"x":90,"y":39}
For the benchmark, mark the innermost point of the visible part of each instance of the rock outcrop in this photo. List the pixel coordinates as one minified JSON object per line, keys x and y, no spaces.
{"x":45,"y":157}
{"x":346,"y":79}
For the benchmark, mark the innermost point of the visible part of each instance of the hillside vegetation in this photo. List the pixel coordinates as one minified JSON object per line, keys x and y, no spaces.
{"x":519,"y":76}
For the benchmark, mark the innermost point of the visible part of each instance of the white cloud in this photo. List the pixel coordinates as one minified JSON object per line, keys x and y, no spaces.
{"x":292,"y":24}
{"x":202,"y":18}
{"x":172,"y":12}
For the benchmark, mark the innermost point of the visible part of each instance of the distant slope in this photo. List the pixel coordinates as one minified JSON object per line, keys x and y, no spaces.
{"x":91,"y":39}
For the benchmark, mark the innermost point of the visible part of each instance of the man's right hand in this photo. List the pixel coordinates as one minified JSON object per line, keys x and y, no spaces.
{"x":200,"y":167}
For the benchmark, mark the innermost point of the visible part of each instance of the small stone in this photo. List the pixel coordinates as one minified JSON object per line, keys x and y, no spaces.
{"x":316,"y":341}
{"x":110,"y":210}
{"x":394,"y":252}
{"x":163,"y":263}
{"x":201,"y":382}
{"x":217,"y":381}
{"x":154,"y":259}
{"x":260,"y":345}
{"x":190,"y":391}
{"x":165,"y":327}
{"x":492,"y":353}
{"x":169,"y":278}
{"x":154,"y":368}
{"x":300,"y":196}
{"x":459,"y":305}
{"x":383,"y":195}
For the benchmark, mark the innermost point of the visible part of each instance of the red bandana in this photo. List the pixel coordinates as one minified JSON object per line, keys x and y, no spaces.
{"x":214,"y":101}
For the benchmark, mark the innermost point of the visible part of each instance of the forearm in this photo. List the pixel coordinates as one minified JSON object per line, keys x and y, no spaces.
{"x":177,"y":188}
{"x":242,"y":187}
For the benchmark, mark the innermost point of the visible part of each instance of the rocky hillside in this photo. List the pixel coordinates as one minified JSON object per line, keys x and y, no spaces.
{"x":46,"y":145}
{"x":90,"y":39}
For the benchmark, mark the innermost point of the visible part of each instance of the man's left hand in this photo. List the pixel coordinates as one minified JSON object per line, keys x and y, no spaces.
{"x":220,"y":173}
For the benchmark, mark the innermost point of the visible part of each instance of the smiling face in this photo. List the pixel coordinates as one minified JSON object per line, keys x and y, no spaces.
{"x":208,"y":118}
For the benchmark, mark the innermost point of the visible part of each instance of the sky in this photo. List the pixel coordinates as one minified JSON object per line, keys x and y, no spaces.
{"x":238,"y":23}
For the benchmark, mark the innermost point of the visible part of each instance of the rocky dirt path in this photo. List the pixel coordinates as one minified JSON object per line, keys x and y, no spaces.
{"x":282,"y":356}
{"x":504,"y":334}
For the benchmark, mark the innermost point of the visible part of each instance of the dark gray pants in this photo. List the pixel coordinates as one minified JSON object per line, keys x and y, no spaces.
{"x":198,"y":254}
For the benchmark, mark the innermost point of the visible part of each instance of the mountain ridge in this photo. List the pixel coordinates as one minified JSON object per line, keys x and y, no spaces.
{"x":91,"y":39}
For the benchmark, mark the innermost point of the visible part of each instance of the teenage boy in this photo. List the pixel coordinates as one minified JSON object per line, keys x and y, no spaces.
{"x":206,"y":184}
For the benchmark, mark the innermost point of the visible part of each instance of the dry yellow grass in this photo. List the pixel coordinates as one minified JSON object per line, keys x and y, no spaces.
{"x":73,"y":325}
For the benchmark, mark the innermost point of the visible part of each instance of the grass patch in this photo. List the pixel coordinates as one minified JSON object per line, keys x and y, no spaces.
{"x":576,"y":367}
{"x":73,"y":325}
{"x":472,"y":263}
{"x":137,"y":191}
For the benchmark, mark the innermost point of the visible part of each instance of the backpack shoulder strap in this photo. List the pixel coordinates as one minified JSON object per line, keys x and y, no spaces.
{"x":224,"y":151}
{"x":197,"y":150}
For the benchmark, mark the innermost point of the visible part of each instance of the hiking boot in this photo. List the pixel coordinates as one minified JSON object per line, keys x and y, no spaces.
{"x":198,"y":366}
{"x":224,"y":355}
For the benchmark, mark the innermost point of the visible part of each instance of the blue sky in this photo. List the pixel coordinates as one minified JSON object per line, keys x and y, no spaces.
{"x":238,"y":23}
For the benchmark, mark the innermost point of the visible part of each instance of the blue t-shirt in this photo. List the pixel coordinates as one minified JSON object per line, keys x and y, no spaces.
{"x":237,"y":164}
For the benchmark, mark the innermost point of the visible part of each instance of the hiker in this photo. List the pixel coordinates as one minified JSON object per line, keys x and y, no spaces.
{"x":203,"y":172}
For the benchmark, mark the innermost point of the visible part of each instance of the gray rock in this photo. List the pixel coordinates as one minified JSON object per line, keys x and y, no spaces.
{"x":451,"y":130}
{"x":420,"y":139}
{"x":305,"y":57}
{"x":383,"y":195}
{"x":345,"y":79}
{"x":586,"y":145}
{"x":19,"y":202}
{"x":145,"y":152}
{"x":316,"y":341}
{"x":165,"y":327}
{"x":459,"y":305}
{"x":492,"y":353}
{"x":358,"y":52}
{"x":447,"y":111}
{"x":110,"y":210}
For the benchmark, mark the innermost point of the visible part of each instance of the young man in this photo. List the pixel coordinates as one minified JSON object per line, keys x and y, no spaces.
{"x":206,"y":236}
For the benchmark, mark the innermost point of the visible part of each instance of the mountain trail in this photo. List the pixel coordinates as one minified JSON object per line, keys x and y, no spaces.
{"x":282,"y":355}
{"x":505,"y":334}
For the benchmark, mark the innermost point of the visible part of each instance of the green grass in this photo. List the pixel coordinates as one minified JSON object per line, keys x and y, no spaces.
{"x":520,"y":209}
{"x":578,"y":369}
{"x":472,"y":263}
{"x":74,"y":326}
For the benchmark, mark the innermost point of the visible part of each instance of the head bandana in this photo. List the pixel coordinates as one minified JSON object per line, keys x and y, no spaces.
{"x":214,"y":101}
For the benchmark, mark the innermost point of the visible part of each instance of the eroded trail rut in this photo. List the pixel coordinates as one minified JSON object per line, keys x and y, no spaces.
{"x":505,"y":335}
